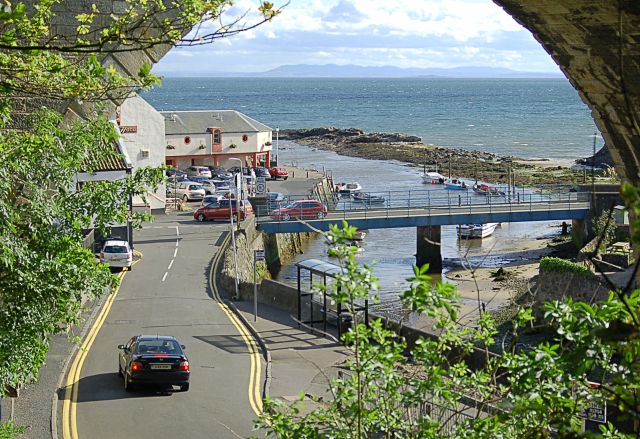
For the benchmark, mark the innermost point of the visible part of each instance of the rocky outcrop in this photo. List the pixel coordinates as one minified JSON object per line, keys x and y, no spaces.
{"x":601,"y":159}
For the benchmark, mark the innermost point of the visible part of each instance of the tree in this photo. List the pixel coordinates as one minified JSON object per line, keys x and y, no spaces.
{"x":468,"y":382}
{"x":55,"y":53}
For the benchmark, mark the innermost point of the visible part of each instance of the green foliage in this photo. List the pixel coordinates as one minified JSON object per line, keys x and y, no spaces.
{"x":9,"y":430}
{"x":558,"y":265}
{"x":604,"y":227}
{"x":536,"y":392}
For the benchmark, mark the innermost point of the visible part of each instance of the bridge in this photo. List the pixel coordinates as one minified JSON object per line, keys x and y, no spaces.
{"x":428,"y":211}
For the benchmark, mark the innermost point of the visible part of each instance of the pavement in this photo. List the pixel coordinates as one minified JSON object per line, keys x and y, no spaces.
{"x":294,"y":359}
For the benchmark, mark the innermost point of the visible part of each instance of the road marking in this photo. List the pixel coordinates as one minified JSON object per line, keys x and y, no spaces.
{"x":170,"y":264}
{"x":177,"y":231}
{"x":254,"y":394}
{"x":165,"y":276}
{"x":177,"y":243}
{"x":69,"y":409}
{"x":175,"y":253}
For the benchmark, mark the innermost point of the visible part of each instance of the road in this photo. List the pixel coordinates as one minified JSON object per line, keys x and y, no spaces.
{"x":168,"y":292}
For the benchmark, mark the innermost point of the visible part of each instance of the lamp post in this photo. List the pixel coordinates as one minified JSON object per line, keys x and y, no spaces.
{"x":593,"y":172}
{"x":233,"y":234}
{"x":277,"y":138}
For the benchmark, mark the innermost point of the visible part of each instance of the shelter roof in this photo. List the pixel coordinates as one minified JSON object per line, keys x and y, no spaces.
{"x":193,"y":122}
{"x":318,"y":266}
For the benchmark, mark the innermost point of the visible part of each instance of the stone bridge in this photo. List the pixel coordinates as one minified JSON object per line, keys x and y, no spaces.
{"x":596,"y":43}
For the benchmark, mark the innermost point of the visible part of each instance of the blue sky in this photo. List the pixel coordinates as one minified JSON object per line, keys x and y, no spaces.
{"x":402,"y":33}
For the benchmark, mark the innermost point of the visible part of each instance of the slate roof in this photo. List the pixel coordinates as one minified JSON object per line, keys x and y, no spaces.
{"x":116,"y":162}
{"x":195,"y":122}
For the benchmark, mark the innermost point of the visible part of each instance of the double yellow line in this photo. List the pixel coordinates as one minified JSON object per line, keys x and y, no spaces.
{"x":69,"y":418}
{"x":255,"y":398}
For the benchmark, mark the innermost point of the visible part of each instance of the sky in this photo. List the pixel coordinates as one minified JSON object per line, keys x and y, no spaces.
{"x":401,"y":33}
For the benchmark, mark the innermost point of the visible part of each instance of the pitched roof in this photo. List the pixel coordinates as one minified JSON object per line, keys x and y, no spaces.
{"x":192,"y":122}
{"x":116,"y":160}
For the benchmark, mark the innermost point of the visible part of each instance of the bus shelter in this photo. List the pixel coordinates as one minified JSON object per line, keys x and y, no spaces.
{"x":319,"y":271}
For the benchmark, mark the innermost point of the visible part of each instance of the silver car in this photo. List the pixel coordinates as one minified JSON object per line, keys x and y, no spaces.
{"x":117,"y":254}
{"x":189,"y":191}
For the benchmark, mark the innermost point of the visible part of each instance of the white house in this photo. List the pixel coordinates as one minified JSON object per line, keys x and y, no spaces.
{"x":143,"y":137}
{"x":212,"y":137}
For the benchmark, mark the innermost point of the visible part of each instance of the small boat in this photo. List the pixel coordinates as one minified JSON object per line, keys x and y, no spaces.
{"x":364,"y":197}
{"x":360,"y":234}
{"x":348,"y":188}
{"x":352,"y":243}
{"x":433,"y":177}
{"x":485,"y":189}
{"x":455,"y":184}
{"x":476,"y":230}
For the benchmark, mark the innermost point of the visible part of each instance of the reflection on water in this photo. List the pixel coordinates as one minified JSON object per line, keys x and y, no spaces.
{"x":391,"y":252}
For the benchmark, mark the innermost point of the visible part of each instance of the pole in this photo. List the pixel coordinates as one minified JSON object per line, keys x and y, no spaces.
{"x":277,"y":138}
{"x":593,"y":170}
{"x":449,"y":166}
{"x":255,"y":290}
{"x":235,"y":251}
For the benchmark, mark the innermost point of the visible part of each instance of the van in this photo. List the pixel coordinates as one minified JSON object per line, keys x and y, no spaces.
{"x":198,"y":171}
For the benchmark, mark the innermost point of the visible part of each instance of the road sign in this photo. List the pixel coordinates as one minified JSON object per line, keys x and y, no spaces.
{"x":261,"y":185}
{"x":596,"y":411}
{"x":259,"y":255}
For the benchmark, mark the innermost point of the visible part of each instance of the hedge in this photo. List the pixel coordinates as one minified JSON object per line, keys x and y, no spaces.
{"x":562,"y":266}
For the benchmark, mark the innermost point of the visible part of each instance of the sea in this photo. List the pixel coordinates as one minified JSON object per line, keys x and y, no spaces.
{"x":529,"y":118}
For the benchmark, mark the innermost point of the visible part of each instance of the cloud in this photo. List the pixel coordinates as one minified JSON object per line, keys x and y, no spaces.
{"x":406,"y":33}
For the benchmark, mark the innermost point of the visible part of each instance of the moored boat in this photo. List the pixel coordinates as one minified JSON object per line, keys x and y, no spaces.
{"x":348,"y":188}
{"x":433,"y":177}
{"x":360,"y":234}
{"x":485,"y":189}
{"x":476,"y":230}
{"x":364,"y":197}
{"x":455,"y":184}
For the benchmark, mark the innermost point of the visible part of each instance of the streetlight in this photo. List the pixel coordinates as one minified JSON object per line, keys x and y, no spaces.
{"x":233,"y":235}
{"x":277,"y":136}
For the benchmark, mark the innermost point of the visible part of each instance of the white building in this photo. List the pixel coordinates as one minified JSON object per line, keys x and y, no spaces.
{"x":142,"y":129}
{"x":211,"y":137}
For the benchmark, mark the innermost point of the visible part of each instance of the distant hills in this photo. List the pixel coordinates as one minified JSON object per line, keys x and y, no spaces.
{"x":354,"y":71}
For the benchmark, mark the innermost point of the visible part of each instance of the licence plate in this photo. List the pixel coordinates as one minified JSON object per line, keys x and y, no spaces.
{"x":160,"y":366}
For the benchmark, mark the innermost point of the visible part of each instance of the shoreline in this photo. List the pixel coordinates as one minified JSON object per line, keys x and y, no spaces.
{"x":478,"y":165}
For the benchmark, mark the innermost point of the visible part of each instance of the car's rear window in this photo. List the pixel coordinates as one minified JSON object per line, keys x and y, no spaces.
{"x":116,"y":249}
{"x":158,"y":347}
{"x":194,"y":187}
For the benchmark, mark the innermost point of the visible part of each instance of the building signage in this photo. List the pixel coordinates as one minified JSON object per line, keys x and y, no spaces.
{"x":596,"y":411}
{"x":128,"y":129}
{"x":259,"y":255}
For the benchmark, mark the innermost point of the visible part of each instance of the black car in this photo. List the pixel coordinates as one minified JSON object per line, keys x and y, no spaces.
{"x":153,"y":359}
{"x":219,"y":172}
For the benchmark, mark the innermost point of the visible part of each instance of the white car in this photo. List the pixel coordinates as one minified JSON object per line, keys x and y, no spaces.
{"x":198,"y":171}
{"x":212,"y":198}
{"x":116,"y":254}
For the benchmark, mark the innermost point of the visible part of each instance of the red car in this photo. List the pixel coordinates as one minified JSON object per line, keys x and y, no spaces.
{"x":300,"y":210}
{"x":278,"y":172}
{"x":221,"y":211}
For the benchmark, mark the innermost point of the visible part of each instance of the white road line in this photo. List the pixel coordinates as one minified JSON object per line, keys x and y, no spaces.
{"x":170,"y":264}
{"x":177,"y":243}
{"x":177,"y":231}
{"x":175,"y":253}
{"x":165,"y":276}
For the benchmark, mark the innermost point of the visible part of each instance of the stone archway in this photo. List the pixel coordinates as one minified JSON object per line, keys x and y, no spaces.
{"x":597,"y":46}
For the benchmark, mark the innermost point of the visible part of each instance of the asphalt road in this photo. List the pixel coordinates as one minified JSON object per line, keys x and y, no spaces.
{"x":167,"y":292}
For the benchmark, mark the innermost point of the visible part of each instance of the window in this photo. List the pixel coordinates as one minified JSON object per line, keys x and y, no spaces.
{"x":245,"y":138}
{"x":216,"y":136}
{"x":187,"y":140}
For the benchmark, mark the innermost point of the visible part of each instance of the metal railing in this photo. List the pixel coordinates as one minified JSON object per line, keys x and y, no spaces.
{"x":425,"y":203}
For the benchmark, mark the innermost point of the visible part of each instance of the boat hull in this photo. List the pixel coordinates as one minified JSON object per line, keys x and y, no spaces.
{"x":477,"y":230}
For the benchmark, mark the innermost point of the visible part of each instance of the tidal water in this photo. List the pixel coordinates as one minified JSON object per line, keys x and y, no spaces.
{"x":531,"y":118}
{"x":392,"y":251}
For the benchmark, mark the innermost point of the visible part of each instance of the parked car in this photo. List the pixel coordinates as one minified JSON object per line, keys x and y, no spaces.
{"x":277,"y":172}
{"x":275,"y":197}
{"x":117,"y":254}
{"x":220,"y":172}
{"x":221,"y":210}
{"x":188,"y":191}
{"x":221,"y":185}
{"x":302,"y":209}
{"x":175,"y":173}
{"x":262,"y":172}
{"x":199,"y":178}
{"x":198,"y":171}
{"x":212,"y":198}
{"x":153,"y":359}
{"x":248,"y":174}
{"x":209,"y":187}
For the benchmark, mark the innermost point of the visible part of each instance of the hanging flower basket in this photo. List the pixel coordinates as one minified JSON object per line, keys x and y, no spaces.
{"x":202,"y":147}
{"x":171,"y":147}
{"x":233,"y":145}
{"x":267,"y":143}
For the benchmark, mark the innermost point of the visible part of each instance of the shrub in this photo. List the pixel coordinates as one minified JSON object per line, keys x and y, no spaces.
{"x":558,"y":265}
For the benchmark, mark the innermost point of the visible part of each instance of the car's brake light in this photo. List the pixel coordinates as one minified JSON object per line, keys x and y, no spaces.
{"x":129,"y":257}
{"x":184,"y":365}
{"x":136,"y":365}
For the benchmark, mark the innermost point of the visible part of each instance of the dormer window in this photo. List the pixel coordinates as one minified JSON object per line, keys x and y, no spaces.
{"x":216,"y":139}
{"x":216,"y":136}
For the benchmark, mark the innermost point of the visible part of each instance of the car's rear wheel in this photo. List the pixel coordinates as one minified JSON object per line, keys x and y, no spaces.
{"x":201,"y":217}
{"x":320,"y":215}
{"x":284,"y":178}
{"x":286,"y":217}
{"x":128,"y":385}
{"x":185,"y":198}
{"x":184,"y":387}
